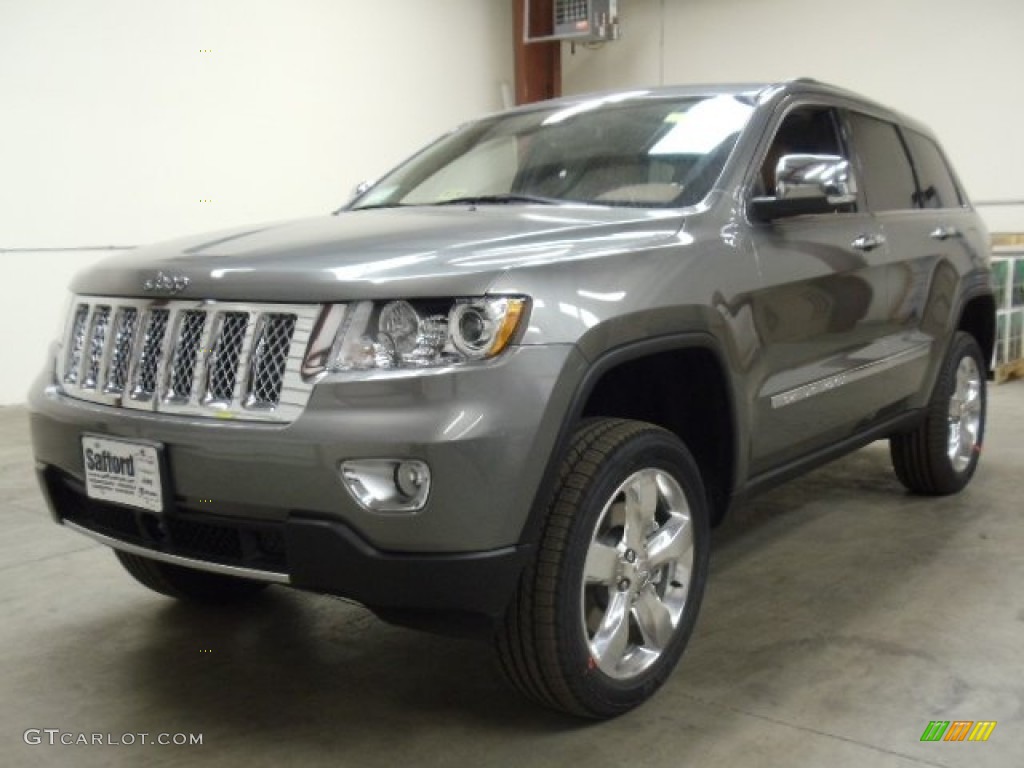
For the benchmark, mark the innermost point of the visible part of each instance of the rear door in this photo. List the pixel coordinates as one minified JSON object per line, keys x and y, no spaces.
{"x":935,"y":237}
{"x":920,"y":236}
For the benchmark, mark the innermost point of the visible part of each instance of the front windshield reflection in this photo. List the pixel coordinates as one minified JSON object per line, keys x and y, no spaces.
{"x":629,"y":150}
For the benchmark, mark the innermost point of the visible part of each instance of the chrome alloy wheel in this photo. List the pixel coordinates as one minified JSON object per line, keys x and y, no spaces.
{"x":637,"y":573}
{"x":964,"y":415}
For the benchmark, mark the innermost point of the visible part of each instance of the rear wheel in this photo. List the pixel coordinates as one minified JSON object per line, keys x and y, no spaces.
{"x":941,"y":455}
{"x":604,"y":613}
{"x":187,"y":583}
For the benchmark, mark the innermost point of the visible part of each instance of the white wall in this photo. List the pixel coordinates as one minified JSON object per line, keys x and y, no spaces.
{"x":117,"y":126}
{"x":954,"y":65}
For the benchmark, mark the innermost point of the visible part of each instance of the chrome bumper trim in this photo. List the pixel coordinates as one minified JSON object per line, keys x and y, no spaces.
{"x":186,"y":562}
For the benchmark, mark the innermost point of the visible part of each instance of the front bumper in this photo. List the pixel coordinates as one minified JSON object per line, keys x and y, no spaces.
{"x":277,"y":507}
{"x":306,"y":553}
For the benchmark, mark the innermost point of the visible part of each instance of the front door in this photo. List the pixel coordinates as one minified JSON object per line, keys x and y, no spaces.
{"x":822,"y":313}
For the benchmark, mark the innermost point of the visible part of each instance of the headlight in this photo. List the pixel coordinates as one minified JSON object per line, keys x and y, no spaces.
{"x":418,"y":334}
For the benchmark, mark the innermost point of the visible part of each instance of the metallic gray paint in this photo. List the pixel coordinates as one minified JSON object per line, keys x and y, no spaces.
{"x":472,"y":426}
{"x":600,"y":281}
{"x":380,"y":254}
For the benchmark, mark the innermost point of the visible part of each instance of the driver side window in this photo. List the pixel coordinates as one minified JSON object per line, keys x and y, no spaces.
{"x":803,"y":131}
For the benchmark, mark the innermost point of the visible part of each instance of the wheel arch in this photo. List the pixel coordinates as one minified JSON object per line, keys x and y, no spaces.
{"x":687,"y":405}
{"x":978,"y":318}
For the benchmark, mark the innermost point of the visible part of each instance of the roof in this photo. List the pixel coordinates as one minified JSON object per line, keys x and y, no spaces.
{"x":760,"y":92}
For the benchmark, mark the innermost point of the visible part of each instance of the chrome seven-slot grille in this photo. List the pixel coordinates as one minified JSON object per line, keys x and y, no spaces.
{"x":221,"y":359}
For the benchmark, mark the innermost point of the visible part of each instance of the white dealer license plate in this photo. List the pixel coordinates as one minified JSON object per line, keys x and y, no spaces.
{"x":123,"y":471}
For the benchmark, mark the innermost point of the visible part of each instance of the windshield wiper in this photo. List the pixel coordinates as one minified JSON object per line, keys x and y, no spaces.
{"x":374,"y":206}
{"x":503,"y":199}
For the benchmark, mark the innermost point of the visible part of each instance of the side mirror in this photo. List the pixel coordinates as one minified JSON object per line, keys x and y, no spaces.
{"x":806,"y":184}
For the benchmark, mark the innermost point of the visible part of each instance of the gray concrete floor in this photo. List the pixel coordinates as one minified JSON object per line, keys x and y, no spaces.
{"x":842,"y":616}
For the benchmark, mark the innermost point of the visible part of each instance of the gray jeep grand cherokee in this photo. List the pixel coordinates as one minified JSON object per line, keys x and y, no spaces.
{"x":514,"y":382}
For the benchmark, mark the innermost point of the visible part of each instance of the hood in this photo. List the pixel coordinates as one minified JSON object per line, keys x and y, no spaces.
{"x":378,"y":254}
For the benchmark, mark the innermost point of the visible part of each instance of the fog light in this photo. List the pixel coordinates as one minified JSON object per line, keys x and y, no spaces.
{"x":387,"y":485}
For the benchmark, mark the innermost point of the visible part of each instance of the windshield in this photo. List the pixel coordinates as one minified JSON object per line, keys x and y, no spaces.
{"x":614,"y":151}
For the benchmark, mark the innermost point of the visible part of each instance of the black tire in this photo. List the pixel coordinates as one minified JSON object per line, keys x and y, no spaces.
{"x":187,"y":583}
{"x":545,"y":642}
{"x":922,"y":457}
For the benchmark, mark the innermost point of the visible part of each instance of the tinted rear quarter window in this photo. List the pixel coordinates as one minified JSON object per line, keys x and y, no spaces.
{"x":937,"y":188}
{"x":888,"y":178}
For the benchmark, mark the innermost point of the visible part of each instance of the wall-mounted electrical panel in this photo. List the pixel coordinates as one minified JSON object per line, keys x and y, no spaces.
{"x":578,"y":21}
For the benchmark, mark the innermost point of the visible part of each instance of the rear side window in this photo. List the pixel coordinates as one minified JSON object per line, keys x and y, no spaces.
{"x":887,"y":176}
{"x":935,"y":182}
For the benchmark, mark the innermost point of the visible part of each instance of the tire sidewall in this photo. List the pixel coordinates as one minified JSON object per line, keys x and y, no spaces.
{"x":963,"y":346}
{"x":654,"y":449}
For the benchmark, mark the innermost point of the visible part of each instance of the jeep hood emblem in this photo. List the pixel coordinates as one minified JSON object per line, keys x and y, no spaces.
{"x":171,"y":284}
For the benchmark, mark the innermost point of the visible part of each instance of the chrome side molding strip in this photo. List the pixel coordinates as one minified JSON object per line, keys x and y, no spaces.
{"x":791,"y":396}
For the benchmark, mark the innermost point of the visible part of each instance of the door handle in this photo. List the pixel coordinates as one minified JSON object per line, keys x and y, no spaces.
{"x":944,"y":233}
{"x":868,"y":242}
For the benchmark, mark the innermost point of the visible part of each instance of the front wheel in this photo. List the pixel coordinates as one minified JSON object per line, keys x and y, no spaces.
{"x":939,"y":457}
{"x":604,"y":613}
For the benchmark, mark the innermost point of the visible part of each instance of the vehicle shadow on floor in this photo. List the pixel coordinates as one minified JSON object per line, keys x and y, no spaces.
{"x":288,"y":659}
{"x":829,"y":573}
